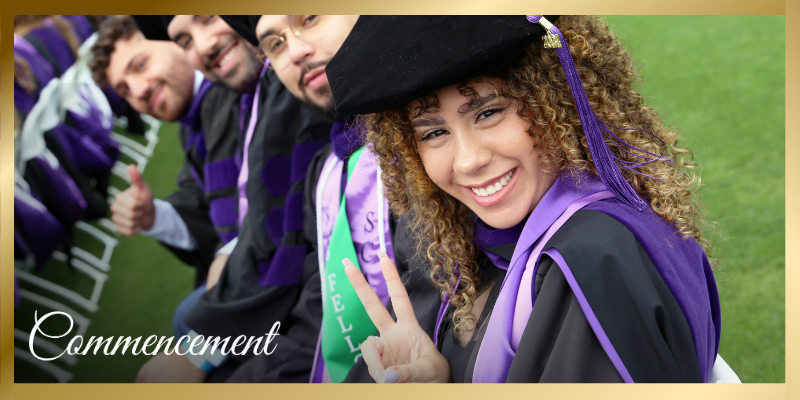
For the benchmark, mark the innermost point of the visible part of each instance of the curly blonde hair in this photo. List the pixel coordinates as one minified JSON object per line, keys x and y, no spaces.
{"x":444,"y":226}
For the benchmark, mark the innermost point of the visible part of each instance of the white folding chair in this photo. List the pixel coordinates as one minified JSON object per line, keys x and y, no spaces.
{"x":723,"y":373}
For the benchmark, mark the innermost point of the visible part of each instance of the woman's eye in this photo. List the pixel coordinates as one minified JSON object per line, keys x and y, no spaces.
{"x":487,"y":113}
{"x":140,"y":66}
{"x":310,"y":20}
{"x":433,"y":134}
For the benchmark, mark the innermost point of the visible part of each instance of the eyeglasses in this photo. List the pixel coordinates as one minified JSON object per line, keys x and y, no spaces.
{"x":309,"y":28}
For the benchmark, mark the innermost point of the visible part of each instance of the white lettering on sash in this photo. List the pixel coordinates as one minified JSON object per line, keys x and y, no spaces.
{"x":341,"y":323}
{"x":332,"y":282}
{"x":350,"y":343}
{"x":337,"y":304}
{"x":355,"y":360}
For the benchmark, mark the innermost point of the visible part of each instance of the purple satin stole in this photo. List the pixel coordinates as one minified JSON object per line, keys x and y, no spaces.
{"x":244,"y":172}
{"x":505,"y":327}
{"x":682,"y":264}
{"x":364,"y":214}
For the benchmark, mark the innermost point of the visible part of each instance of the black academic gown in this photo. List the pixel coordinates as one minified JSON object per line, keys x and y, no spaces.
{"x":245,"y":301}
{"x":558,"y":344}
{"x":294,"y":355}
{"x":219,"y":116}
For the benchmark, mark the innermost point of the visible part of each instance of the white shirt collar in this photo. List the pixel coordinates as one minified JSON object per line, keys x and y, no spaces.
{"x":198,"y":80}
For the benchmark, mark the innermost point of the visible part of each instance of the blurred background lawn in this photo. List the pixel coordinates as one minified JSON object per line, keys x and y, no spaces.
{"x":716,"y":80}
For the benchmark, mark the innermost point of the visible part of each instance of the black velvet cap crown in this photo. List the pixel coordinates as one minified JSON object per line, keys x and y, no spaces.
{"x":154,"y":27}
{"x":244,"y":25}
{"x":389,"y":61}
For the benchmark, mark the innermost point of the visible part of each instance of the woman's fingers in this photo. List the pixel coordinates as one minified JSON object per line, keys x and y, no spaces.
{"x":402,"y":305}
{"x":375,"y":308}
{"x":371,"y":351}
{"x":420,"y":371}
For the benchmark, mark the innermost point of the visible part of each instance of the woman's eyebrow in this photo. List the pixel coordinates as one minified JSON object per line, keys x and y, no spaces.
{"x":466,"y":108}
{"x":422,"y":122}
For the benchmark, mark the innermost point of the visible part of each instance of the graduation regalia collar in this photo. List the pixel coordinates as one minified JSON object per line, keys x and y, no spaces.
{"x":191,"y":120}
{"x":682,"y":264}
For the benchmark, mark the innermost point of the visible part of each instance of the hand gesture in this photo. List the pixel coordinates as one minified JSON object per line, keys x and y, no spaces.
{"x":133,"y":209}
{"x":404,"y":352}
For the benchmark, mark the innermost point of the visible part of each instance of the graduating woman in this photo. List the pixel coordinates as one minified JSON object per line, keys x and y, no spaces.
{"x":554,"y":207}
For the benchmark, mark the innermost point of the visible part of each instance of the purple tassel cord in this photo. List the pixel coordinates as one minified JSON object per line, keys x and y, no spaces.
{"x":607,"y":164}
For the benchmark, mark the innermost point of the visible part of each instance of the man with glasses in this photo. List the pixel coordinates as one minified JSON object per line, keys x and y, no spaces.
{"x":298,"y":47}
{"x":264,"y":277}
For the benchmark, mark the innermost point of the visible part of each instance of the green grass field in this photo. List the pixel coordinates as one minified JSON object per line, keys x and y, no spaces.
{"x":722,"y":93}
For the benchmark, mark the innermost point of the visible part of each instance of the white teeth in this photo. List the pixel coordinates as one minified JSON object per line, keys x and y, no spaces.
{"x":494,"y":188}
{"x":226,"y":58}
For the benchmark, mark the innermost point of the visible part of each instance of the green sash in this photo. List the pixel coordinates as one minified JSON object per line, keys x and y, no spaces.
{"x":345,"y":323}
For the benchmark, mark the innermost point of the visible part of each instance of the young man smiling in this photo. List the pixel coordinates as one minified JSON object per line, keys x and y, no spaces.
{"x":156,"y":78}
{"x":276,"y":278}
{"x":215,"y":49}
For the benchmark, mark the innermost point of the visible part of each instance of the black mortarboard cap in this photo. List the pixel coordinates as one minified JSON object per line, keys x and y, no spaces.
{"x":388,"y":61}
{"x":154,"y":27}
{"x":244,"y":25}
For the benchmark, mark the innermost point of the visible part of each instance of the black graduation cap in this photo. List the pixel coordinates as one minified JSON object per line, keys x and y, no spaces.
{"x":388,"y":61}
{"x":154,"y":27}
{"x":244,"y":25}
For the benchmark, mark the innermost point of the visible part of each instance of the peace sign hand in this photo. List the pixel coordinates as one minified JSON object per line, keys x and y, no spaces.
{"x":404,"y":352}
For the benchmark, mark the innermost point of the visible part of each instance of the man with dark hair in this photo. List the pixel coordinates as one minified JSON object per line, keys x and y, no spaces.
{"x":215,"y":49}
{"x":274,"y":273}
{"x":156,"y":78}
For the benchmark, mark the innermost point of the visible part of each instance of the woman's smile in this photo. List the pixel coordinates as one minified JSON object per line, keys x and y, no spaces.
{"x":475,"y":147}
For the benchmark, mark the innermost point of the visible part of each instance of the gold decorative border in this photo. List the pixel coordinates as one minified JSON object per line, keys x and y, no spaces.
{"x":8,"y":389}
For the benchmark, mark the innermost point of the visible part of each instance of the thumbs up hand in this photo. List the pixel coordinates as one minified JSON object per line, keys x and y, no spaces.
{"x":133,"y":209}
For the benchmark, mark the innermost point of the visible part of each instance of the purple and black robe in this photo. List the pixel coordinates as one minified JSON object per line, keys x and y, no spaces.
{"x":262,"y":280}
{"x":206,"y":196}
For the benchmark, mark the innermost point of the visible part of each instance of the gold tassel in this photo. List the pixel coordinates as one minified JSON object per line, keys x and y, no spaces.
{"x":550,"y":40}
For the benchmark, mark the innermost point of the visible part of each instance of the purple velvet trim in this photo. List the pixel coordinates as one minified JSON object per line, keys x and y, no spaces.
{"x":293,"y":220}
{"x":590,"y":317}
{"x":223,"y":211}
{"x":686,"y":271}
{"x":285,"y":268}
{"x":273,"y":224}
{"x":42,"y":229}
{"x":191,"y":120}
{"x":498,"y":349}
{"x":220,"y":174}
{"x":344,"y":141}
{"x":275,"y":175}
{"x":486,"y":236}
{"x":302,"y":153}
{"x":228,"y":236}
{"x":245,"y":106}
